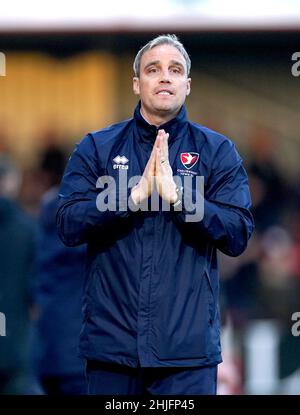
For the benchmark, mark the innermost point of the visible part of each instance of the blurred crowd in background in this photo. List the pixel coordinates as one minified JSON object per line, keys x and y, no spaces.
{"x":42,"y":280}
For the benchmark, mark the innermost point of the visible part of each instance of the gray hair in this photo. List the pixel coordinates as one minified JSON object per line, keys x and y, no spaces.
{"x":161,"y":40}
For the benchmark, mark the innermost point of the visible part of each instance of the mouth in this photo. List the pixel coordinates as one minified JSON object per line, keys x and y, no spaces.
{"x":165,"y":92}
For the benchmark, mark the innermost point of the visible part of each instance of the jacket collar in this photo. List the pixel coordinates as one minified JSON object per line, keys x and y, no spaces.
{"x":147,"y":132}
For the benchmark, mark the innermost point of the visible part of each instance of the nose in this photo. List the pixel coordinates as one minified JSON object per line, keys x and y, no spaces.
{"x":165,"y":76}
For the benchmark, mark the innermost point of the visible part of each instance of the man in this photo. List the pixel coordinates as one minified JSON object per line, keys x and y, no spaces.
{"x":151,"y":320}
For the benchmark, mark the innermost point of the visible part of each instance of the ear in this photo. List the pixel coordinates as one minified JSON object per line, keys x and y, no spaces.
{"x":188,"y":86}
{"x":136,"y":85}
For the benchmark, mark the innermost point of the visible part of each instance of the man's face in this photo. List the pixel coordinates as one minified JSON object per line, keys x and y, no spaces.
{"x":163,"y":83}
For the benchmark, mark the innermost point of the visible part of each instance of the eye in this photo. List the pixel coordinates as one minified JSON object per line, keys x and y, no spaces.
{"x":176,"y":70}
{"x":152,"y":70}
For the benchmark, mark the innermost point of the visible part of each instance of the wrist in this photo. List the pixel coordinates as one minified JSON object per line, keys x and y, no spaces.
{"x":135,"y":195}
{"x":177,"y":204}
{"x":173,"y":195}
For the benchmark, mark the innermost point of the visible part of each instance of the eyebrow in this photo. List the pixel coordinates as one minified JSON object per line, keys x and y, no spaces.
{"x":172,"y":62}
{"x":151,"y":63}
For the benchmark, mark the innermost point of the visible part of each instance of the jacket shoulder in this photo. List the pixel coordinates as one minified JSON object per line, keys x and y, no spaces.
{"x":111,"y":132}
{"x":215,"y":147}
{"x":211,"y":137}
{"x":102,"y":139}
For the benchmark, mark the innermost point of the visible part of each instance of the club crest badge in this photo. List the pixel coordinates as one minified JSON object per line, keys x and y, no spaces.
{"x":189,"y":159}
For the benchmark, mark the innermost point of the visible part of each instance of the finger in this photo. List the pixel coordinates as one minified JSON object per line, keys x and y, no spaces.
{"x":162,"y":142}
{"x":166,"y":146}
{"x":158,"y":160}
{"x":158,"y":140}
{"x":158,"y":135}
{"x":162,"y":147}
{"x":151,"y":163}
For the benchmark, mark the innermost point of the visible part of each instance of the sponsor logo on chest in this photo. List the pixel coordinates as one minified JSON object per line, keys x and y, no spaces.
{"x":120,"y":162}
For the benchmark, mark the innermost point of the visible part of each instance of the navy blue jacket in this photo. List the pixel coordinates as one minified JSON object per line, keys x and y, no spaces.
{"x":151,"y":295}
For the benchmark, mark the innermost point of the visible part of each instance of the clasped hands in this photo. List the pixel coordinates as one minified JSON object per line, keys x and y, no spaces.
{"x":158,"y":172}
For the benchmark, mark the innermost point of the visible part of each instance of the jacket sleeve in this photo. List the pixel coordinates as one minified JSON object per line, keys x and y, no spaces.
{"x":225,"y":217}
{"x":78,"y":211}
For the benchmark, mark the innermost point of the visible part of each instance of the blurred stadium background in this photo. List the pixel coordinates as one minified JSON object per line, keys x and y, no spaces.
{"x":68,"y":72}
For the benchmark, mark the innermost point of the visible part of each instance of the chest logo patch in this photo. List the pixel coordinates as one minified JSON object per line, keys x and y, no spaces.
{"x":120,"y":162}
{"x":189,"y":159}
